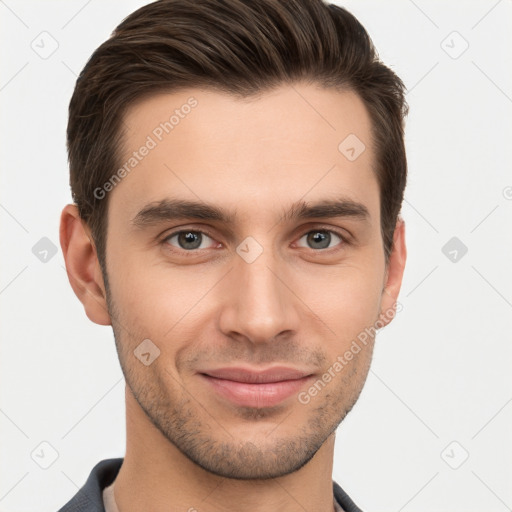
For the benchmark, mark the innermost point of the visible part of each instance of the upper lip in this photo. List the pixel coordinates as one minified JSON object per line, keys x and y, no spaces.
{"x":274,"y":374}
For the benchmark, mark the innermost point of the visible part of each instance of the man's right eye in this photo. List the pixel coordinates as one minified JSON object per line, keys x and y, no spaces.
{"x":188,"y":240}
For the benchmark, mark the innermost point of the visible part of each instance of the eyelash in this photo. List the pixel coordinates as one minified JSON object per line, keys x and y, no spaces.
{"x":344,"y":239}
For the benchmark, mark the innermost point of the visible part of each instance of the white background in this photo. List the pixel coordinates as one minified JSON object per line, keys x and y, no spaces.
{"x":441,"y":370}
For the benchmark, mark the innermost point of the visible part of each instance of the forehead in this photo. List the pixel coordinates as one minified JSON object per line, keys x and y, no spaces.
{"x":294,"y":142}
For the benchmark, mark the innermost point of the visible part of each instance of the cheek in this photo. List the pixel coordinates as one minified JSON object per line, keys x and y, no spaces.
{"x":156,"y":300}
{"x":348,"y":302}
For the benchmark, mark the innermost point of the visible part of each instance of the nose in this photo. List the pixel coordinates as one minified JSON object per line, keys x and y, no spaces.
{"x":258,"y":302}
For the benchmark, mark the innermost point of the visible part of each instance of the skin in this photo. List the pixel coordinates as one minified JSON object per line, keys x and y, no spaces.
{"x":297,"y":304}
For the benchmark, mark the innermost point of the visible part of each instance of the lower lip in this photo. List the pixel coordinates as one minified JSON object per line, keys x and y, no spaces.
{"x":256,"y":395}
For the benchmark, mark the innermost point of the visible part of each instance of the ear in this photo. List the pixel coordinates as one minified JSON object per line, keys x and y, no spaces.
{"x":394,"y":273}
{"x":82,"y":265}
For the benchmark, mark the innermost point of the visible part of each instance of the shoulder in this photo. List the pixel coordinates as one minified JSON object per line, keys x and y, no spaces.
{"x":89,"y":498}
{"x":344,"y":499}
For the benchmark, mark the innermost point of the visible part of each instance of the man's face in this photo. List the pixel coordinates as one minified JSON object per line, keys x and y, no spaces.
{"x":259,"y":290}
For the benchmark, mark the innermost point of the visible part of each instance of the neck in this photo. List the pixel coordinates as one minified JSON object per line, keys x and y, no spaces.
{"x":156,"y":476}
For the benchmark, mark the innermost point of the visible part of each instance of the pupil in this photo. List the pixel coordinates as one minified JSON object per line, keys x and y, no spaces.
{"x":189,"y":238}
{"x":321,"y":237}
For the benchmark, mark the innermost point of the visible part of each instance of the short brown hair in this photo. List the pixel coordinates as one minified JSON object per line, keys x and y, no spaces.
{"x":242,"y":47}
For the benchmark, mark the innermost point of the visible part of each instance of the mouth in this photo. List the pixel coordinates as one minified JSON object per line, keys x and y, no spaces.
{"x":256,"y":388}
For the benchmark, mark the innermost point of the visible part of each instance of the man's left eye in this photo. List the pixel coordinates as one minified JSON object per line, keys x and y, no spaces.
{"x":321,"y":238}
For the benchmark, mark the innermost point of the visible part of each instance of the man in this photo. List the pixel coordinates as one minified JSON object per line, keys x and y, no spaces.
{"x":238,"y":169}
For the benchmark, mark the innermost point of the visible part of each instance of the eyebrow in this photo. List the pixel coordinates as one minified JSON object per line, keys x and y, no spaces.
{"x":169,"y":209}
